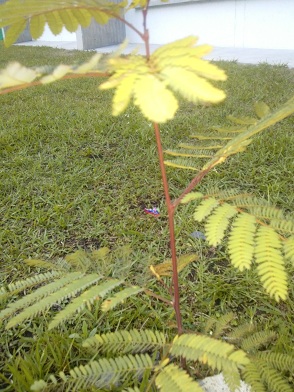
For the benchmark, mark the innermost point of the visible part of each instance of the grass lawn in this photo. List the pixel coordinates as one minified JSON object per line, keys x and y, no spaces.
{"x":73,"y":177}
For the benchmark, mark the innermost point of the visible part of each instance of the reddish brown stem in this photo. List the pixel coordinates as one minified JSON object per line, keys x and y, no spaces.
{"x":191,"y":186}
{"x":170,"y":211}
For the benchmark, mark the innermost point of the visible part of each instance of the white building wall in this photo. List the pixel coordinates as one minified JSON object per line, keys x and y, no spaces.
{"x":267,"y":24}
{"x":63,"y":36}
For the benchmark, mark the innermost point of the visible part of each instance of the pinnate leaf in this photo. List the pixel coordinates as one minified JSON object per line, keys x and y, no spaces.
{"x":156,"y":102}
{"x":191,"y":86}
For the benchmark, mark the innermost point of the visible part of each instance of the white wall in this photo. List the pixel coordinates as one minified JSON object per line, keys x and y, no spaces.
{"x":267,"y":24}
{"x":63,"y":36}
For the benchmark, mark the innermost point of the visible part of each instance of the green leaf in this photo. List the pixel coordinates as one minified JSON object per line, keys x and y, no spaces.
{"x":69,"y":20}
{"x":87,"y":298}
{"x":14,"y":32}
{"x":37,"y":26}
{"x":261,"y":109}
{"x":67,"y":291}
{"x":243,"y":120}
{"x":289,"y":249}
{"x":54,"y":22}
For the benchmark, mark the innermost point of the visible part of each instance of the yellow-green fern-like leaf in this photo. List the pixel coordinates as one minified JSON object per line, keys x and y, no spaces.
{"x":241,"y":241}
{"x":270,"y":268}
{"x":85,"y":299}
{"x":279,"y":361}
{"x":57,"y":13}
{"x":173,"y":378}
{"x":215,"y":353}
{"x":218,"y":222}
{"x":181,"y":163}
{"x":257,"y":339}
{"x":289,"y":249}
{"x":274,"y":380}
{"x":40,"y":293}
{"x":190,"y":153}
{"x":120,"y":297}
{"x":209,"y":137}
{"x":191,"y":196}
{"x":126,"y":342}
{"x":283,"y":225}
{"x":56,"y":297}
{"x":205,"y":208}
{"x":251,"y":376}
{"x":101,"y":374}
{"x":266,"y":212}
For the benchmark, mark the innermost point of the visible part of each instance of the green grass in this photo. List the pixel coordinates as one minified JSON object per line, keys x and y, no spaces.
{"x":73,"y":177}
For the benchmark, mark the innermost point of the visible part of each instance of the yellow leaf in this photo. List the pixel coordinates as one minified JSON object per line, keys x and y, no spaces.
{"x":123,"y":94}
{"x":191,"y":86}
{"x":164,"y":50}
{"x":153,"y":270}
{"x":37,"y":26}
{"x":156,"y":102}
{"x":16,"y":74}
{"x":58,"y":73}
{"x":186,"y":58}
{"x":180,"y":165}
{"x":166,"y":268}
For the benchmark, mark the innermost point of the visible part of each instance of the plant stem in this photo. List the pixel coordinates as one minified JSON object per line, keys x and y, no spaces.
{"x":146,"y":31}
{"x":170,"y":211}
{"x":192,"y":185}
